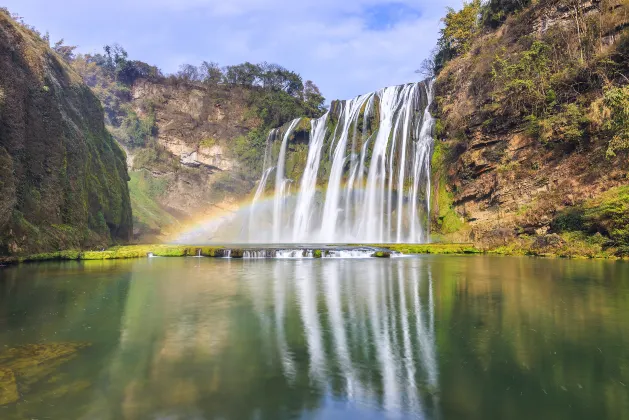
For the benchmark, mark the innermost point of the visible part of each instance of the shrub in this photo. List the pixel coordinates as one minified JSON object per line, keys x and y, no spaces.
{"x":608,"y":214}
{"x":615,"y":110}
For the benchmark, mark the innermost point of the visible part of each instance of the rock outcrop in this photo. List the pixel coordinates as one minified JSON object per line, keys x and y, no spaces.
{"x":197,"y":127}
{"x":509,"y":172}
{"x":63,"y":179}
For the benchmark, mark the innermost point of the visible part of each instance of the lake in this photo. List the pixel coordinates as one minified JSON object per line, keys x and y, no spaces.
{"x":426,"y":337}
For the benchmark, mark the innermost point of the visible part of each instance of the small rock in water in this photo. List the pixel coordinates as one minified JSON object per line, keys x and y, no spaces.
{"x":382,"y":254}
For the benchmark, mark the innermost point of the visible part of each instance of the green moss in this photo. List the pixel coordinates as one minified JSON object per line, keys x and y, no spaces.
{"x":445,"y":220}
{"x":382,"y":254}
{"x":434,"y":248}
{"x":317,"y":253}
{"x":52,"y":256}
{"x":145,"y":191}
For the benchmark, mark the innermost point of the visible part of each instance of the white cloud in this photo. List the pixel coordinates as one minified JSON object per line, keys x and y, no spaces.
{"x":346,"y":47}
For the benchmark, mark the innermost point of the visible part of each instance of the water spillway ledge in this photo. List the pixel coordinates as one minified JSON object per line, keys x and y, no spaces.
{"x":306,"y":253}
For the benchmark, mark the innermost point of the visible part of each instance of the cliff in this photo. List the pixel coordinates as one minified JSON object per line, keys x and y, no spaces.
{"x":195,"y":140}
{"x":532,"y":131}
{"x":63,"y":179}
{"x":190,"y":169}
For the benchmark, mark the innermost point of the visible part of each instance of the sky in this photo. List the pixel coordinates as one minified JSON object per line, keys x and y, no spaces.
{"x":347,"y":47}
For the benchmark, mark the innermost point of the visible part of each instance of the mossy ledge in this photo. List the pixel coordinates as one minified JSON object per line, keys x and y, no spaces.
{"x":122,"y":252}
{"x":143,"y":251}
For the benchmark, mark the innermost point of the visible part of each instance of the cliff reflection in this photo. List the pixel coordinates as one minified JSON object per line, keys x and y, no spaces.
{"x":274,"y":339}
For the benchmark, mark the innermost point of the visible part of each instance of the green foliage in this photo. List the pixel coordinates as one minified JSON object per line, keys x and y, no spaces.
{"x":275,"y":85}
{"x":571,"y":219}
{"x":460,"y":29}
{"x":495,"y":12}
{"x":568,"y":125}
{"x":607,"y":215}
{"x":616,"y":118}
{"x":135,"y":130}
{"x":116,"y":64}
{"x":439,"y":128}
{"x":249,"y":149}
{"x":522,"y":83}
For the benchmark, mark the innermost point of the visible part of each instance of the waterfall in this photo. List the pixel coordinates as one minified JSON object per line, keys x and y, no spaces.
{"x":372,"y":221}
{"x":331,"y":207}
{"x":281,"y":184}
{"x":256,"y":198}
{"x":421,"y":165}
{"x":365,"y":176}
{"x":309,"y":179}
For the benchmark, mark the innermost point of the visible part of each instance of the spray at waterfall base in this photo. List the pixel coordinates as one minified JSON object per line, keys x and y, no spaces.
{"x":366,"y":178}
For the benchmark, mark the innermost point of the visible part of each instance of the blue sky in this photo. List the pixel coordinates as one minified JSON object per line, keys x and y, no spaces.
{"x":347,"y":47}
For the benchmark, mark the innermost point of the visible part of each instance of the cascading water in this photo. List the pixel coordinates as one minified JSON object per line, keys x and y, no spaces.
{"x":281,"y":184}
{"x":361,"y":172}
{"x":309,"y":180}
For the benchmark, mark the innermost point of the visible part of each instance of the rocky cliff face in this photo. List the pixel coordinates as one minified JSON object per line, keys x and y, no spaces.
{"x":197,"y":129}
{"x":63,"y":179}
{"x":521,"y":138}
{"x":196,"y":124}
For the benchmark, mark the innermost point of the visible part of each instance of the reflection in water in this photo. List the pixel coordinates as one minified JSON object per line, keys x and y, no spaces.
{"x":335,"y":298}
{"x":279,"y":284}
{"x":310,"y":316}
{"x":426,"y":337}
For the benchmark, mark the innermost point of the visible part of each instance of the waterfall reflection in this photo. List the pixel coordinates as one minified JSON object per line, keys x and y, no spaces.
{"x":369,"y":334}
{"x":310,"y":316}
{"x":280,"y":303}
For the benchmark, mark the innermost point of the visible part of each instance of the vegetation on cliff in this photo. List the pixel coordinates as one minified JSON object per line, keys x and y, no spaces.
{"x":532,"y":107}
{"x":63,"y":179}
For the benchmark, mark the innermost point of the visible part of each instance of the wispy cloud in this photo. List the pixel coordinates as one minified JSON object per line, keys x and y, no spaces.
{"x":346,"y":47}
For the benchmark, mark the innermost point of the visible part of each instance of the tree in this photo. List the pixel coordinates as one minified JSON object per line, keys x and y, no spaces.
{"x":460,"y":28}
{"x":614,"y":111}
{"x":312,"y":97}
{"x":189,"y":73}
{"x":245,"y":74}
{"x":65,"y":51}
{"x":211,"y":73}
{"x":115,"y":58}
{"x":429,"y":67}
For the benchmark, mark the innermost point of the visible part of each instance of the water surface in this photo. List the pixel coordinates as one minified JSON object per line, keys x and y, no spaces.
{"x":424,"y":337}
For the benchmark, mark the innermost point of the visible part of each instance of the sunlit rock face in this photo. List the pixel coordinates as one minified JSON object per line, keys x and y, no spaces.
{"x":359,"y":173}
